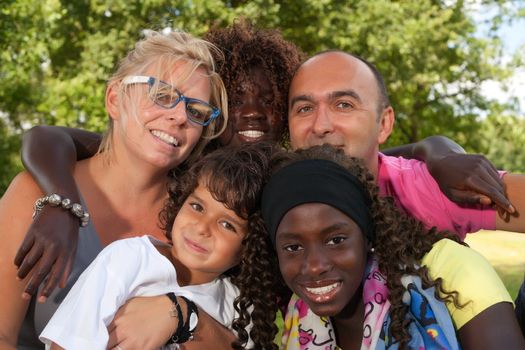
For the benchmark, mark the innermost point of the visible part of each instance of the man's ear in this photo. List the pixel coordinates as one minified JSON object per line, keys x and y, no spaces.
{"x":112,"y":101}
{"x":386,"y":124}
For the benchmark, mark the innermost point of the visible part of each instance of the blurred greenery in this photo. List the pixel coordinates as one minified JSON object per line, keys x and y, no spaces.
{"x":55,"y":56}
{"x":512,"y":277}
{"x":506,"y":252}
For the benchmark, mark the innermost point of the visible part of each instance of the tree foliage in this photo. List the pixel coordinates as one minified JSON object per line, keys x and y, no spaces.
{"x":55,"y":56}
{"x":503,"y":140}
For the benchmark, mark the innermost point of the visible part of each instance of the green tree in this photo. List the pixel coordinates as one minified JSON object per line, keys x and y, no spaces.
{"x":9,"y":155}
{"x":55,"y":55}
{"x":503,"y":141}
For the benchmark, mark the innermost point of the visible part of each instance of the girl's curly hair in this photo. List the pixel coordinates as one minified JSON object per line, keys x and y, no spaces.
{"x":245,"y":47}
{"x":400,"y":241}
{"x":235,"y":177}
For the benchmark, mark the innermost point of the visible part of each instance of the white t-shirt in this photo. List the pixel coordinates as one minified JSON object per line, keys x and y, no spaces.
{"x":125,"y":269}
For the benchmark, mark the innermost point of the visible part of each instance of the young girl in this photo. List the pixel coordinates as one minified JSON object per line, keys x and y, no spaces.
{"x":210,"y":259}
{"x":367,"y":277}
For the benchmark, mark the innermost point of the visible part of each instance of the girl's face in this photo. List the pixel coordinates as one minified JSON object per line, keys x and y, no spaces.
{"x":206,"y":237}
{"x":251,"y":115}
{"x":322,"y":256}
{"x":162,"y":137}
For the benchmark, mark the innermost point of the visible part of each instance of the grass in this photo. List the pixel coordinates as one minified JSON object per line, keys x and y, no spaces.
{"x":506,"y":252}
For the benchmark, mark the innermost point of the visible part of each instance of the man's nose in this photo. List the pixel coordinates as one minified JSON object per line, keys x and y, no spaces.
{"x":323,"y":123}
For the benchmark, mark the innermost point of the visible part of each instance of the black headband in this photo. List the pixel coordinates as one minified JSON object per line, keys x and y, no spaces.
{"x":315,"y":181}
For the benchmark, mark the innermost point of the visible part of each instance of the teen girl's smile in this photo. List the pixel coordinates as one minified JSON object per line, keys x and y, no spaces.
{"x":252,"y":118}
{"x":322,"y":256}
{"x":321,"y":291}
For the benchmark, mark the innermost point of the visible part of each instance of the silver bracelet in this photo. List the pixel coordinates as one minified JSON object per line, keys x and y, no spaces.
{"x":56,"y":200}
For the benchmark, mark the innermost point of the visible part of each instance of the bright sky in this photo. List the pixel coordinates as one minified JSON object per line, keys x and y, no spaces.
{"x":513,"y":37}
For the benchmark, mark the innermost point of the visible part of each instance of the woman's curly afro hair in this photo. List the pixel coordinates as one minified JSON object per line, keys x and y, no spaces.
{"x":245,"y":47}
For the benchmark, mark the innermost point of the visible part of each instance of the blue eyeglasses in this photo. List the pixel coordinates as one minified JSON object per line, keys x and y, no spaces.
{"x":166,"y":96}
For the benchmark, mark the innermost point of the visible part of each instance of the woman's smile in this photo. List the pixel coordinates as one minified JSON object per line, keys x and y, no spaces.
{"x":165,"y":137}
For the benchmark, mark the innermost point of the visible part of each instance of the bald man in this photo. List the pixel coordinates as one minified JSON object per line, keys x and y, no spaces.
{"x":341,"y":99}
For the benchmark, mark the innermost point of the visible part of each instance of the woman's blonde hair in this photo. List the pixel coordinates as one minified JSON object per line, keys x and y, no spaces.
{"x":162,"y":50}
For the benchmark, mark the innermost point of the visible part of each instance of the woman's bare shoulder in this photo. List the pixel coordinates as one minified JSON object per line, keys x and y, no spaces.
{"x":16,"y":205}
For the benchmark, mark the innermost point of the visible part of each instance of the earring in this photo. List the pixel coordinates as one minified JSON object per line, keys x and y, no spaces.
{"x":372,"y":250}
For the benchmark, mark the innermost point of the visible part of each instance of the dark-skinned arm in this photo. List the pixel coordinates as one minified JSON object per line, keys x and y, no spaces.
{"x":463,"y":178}
{"x":515,"y":191}
{"x":50,"y":153}
{"x":422,"y":149}
{"x":494,"y":328}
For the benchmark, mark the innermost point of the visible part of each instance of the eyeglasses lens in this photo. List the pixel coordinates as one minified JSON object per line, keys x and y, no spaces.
{"x":167,"y":96}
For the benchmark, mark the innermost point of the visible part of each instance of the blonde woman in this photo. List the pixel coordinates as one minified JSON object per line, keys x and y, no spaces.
{"x":164,"y":102}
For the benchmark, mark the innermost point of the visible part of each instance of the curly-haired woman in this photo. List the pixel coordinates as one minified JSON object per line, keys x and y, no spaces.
{"x":365,"y":276}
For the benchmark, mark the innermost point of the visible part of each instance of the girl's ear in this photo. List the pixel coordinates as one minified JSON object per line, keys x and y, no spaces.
{"x":369,"y":247}
{"x":112,"y":100}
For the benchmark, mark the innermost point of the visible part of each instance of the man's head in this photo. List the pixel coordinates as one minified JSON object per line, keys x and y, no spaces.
{"x":340,"y":99}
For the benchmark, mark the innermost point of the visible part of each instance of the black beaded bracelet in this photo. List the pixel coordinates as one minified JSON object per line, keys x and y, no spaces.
{"x":184,"y":331}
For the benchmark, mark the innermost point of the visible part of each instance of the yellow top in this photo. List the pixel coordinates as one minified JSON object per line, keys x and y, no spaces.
{"x":470,"y":274}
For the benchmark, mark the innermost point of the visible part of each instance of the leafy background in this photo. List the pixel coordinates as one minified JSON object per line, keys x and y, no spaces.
{"x":55,"y":56}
